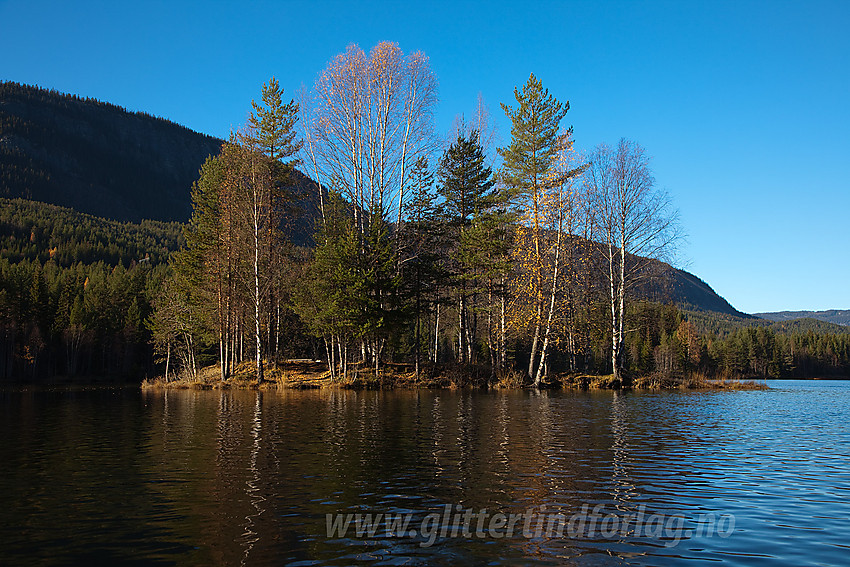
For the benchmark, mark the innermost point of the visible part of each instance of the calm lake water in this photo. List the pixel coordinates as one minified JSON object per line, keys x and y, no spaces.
{"x":112,"y":477}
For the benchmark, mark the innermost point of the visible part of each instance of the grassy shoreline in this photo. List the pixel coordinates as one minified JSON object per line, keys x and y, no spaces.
{"x":300,"y":375}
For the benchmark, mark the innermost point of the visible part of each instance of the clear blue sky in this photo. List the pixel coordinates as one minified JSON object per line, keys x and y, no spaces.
{"x":744,"y":106}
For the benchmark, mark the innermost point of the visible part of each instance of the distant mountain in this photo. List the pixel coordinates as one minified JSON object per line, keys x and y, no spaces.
{"x":686,"y":290}
{"x":95,"y":157}
{"x":836,"y":316}
{"x":99,"y":159}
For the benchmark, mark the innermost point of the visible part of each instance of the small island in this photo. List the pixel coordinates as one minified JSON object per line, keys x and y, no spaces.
{"x":452,"y":272}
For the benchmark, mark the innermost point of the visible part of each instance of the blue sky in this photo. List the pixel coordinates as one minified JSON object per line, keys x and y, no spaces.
{"x":743,"y":105}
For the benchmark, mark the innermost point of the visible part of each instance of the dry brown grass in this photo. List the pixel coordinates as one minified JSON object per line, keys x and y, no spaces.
{"x":590,"y":382}
{"x":289,"y":375}
{"x":510,"y":379}
{"x":308,"y":374}
{"x":695,"y":381}
{"x":657,"y":381}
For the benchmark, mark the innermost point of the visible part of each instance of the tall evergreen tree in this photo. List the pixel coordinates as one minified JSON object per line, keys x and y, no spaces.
{"x":527,"y":170}
{"x":420,"y":236}
{"x":268,"y":140}
{"x":350,"y":293}
{"x":208,"y":264}
{"x":325,"y":300}
{"x":271,"y":125}
{"x":466,"y":187}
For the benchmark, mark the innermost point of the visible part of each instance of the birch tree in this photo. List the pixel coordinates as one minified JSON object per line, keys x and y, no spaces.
{"x":234,"y":238}
{"x":635,"y":224}
{"x":480,"y":121}
{"x":173,"y":327}
{"x":254,"y":196}
{"x":368,"y":121}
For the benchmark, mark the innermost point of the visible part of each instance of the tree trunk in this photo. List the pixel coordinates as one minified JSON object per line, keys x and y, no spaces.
{"x":277,"y":334}
{"x":615,"y":342}
{"x":461,"y":333}
{"x":471,"y":329}
{"x":330,"y":360}
{"x":416,"y":338}
{"x":167,"y":359}
{"x":621,"y":309}
{"x":543,"y":351}
{"x":257,"y":334}
{"x":490,"y":343}
{"x":221,"y":356}
{"x":533,"y":354}
{"x":437,"y":333}
{"x":502,"y":338}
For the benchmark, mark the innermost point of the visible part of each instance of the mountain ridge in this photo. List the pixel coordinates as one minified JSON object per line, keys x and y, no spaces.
{"x":96,"y":157}
{"x":835,"y":316}
{"x":100,"y":159}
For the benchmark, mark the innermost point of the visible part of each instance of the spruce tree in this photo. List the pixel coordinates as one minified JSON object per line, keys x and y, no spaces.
{"x":466,"y":187}
{"x":351,"y":290}
{"x":326,"y":300}
{"x":421,"y":236}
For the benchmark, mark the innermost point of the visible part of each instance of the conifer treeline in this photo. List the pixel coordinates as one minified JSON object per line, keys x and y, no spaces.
{"x":670,"y":341}
{"x":35,"y":231}
{"x":75,"y":291}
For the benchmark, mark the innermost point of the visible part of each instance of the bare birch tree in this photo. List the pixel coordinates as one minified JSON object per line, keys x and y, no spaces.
{"x":258,"y":171}
{"x":367,"y":122}
{"x":635,"y":224}
{"x":257,"y":216}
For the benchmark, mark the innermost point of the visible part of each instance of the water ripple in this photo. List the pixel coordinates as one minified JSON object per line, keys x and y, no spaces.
{"x":220,"y":478}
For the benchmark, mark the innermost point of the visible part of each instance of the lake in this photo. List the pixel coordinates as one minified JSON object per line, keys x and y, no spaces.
{"x":120,"y":476}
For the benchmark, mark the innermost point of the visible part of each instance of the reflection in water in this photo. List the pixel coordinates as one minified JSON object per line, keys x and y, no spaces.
{"x":253,"y":489}
{"x":624,"y":487}
{"x":437,"y":420}
{"x":224,"y":478}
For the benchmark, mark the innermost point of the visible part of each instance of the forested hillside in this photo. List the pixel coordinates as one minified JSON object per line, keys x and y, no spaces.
{"x":96,"y":157}
{"x":75,"y":291}
{"x":99,"y":159}
{"x":31,"y":230}
{"x":673,"y":285}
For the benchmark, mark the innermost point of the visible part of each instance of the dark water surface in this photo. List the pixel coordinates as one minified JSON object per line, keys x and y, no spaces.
{"x":114,"y":477}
